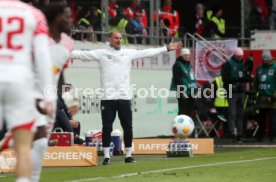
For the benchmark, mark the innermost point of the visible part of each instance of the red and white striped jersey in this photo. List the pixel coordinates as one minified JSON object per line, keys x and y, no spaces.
{"x":20,"y":24}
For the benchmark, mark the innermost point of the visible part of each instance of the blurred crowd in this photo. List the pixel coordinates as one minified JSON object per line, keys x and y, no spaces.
{"x":132,"y":17}
{"x":135,"y":20}
{"x":262,"y":14}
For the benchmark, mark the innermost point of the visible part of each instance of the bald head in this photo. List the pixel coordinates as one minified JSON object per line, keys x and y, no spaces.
{"x":112,"y":33}
{"x":238,"y":54}
{"x":115,"y":39}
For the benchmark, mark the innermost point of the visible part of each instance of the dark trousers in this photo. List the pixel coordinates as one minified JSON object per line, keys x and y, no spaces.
{"x":63,"y":122}
{"x":186,"y":106}
{"x":263,"y":113}
{"x":235,"y":115}
{"x":109,"y":109}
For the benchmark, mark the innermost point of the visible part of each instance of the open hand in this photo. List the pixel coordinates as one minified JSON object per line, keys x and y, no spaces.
{"x":174,"y":46}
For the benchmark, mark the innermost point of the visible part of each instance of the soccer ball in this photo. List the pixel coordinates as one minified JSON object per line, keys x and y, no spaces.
{"x":182,"y":126}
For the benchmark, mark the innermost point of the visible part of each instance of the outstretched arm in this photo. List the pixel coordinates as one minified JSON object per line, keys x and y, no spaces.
{"x":174,"y":46}
{"x":86,"y":55}
{"x":137,"y":54}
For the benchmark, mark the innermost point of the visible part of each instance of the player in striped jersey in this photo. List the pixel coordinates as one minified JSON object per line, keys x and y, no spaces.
{"x":23,"y":45}
{"x":59,"y":19}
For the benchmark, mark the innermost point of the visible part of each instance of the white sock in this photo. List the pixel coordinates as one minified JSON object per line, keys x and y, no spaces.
{"x":128,"y":152}
{"x":106,"y":151}
{"x":22,"y":179}
{"x":39,"y":147}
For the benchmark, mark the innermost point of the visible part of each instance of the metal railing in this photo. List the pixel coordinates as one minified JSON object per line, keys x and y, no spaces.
{"x":138,"y":39}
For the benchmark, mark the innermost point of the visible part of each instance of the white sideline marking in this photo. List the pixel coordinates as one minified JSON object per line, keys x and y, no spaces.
{"x":171,"y":169}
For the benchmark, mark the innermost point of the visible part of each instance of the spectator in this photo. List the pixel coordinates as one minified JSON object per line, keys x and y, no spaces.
{"x":165,"y":31}
{"x":137,"y":8}
{"x":199,"y":22}
{"x":96,"y":20}
{"x":84,"y":21}
{"x":259,"y":15}
{"x":272,"y":17}
{"x":184,"y":83}
{"x":266,"y":88}
{"x":233,"y":75}
{"x":67,"y":106}
{"x":216,"y":26}
{"x":171,"y":15}
{"x":78,"y":13}
{"x":112,"y":8}
{"x":73,"y":8}
{"x":119,"y":23}
{"x":85,"y":25}
{"x":136,"y":27}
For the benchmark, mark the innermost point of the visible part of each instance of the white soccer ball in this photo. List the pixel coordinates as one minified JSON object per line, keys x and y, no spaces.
{"x":182,"y":126}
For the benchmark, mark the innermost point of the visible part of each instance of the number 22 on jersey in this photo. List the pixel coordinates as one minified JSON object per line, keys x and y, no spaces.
{"x":16,"y":24}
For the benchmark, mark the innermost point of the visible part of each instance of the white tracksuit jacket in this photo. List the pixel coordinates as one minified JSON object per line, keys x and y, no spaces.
{"x":115,"y":66}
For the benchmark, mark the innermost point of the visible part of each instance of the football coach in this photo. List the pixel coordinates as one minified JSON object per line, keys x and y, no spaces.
{"x":115,"y":65}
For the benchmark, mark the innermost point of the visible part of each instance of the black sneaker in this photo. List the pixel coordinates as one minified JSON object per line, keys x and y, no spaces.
{"x":106,"y":161}
{"x":129,"y":160}
{"x":234,"y":138}
{"x":78,"y":140}
{"x":239,"y":139}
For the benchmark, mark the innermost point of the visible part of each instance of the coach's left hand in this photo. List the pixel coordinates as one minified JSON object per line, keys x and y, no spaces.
{"x":174,"y":46}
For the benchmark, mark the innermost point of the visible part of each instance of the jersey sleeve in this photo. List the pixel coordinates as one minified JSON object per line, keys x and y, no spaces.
{"x":41,"y":23}
{"x":43,"y":66}
{"x":67,"y":42}
{"x":137,"y":54}
{"x":86,"y":55}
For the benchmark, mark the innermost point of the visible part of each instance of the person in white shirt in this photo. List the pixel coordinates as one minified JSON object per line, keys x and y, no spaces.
{"x":115,"y":66}
{"x":24,"y":45}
